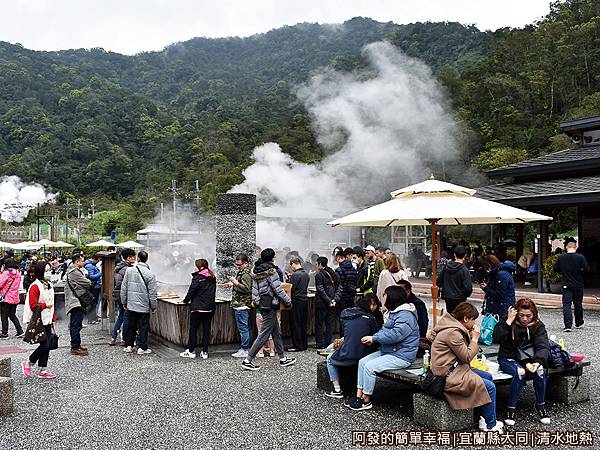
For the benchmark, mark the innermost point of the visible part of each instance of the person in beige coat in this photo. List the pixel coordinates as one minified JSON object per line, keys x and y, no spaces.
{"x":453,"y":348}
{"x":391,"y":275}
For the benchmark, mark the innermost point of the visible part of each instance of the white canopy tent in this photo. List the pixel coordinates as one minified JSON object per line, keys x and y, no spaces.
{"x":61,"y":244}
{"x":45,"y":243}
{"x":183,"y":243}
{"x":129,"y":244}
{"x":27,"y":245}
{"x":434,"y":202}
{"x":6,"y":245}
{"x":100,"y":243}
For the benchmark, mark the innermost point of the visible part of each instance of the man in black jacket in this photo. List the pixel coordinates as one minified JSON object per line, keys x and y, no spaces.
{"x":348,"y":276}
{"x":455,"y":281}
{"x":422,"y":314}
{"x":326,"y":282}
{"x":299,"y":313}
{"x":572,"y":266}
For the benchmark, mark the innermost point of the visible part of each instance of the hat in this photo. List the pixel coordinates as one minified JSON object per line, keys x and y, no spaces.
{"x":369,"y":248}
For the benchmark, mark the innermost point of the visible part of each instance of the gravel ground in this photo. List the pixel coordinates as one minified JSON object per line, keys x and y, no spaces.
{"x":113,"y":400}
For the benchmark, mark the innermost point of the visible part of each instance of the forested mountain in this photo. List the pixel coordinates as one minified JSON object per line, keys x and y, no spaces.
{"x":91,"y":122}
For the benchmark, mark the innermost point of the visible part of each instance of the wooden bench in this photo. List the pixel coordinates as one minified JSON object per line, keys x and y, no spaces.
{"x":563,"y":386}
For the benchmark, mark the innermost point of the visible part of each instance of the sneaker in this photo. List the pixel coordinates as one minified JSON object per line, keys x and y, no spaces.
{"x":47,"y":375}
{"x":567,"y":330}
{"x":272,"y":354}
{"x":498,"y":428}
{"x":579,"y":327}
{"x":335,"y":394}
{"x":26,"y":369}
{"x":84,"y":349}
{"x":259,"y":355}
{"x":144,"y":352}
{"x":542,"y":414}
{"x":79,"y":352}
{"x":204,"y":355}
{"x":20,"y":335}
{"x":358,"y":404}
{"x":187,"y":354}
{"x":285,"y":362}
{"x":510,"y":417}
{"x":3,"y":335}
{"x":84,"y":325}
{"x":128,"y":349}
{"x":248,"y":365}
{"x":241,"y":353}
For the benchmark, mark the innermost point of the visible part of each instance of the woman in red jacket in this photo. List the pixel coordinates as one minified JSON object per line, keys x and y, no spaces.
{"x":10,"y":280}
{"x":40,"y":294}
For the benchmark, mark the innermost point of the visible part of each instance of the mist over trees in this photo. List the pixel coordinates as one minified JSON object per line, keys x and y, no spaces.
{"x":119,"y":128}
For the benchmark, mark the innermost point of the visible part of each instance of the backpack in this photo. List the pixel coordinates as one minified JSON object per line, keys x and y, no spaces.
{"x":559,"y":357}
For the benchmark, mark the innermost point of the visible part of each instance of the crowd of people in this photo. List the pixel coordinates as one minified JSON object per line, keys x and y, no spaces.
{"x":382,"y":323}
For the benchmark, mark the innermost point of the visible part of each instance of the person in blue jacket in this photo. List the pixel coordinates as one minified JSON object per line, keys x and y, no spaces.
{"x":357,"y":322}
{"x":399,"y":340}
{"x":500,"y":289}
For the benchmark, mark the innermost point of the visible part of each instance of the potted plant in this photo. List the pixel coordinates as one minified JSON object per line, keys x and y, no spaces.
{"x":552,"y":278}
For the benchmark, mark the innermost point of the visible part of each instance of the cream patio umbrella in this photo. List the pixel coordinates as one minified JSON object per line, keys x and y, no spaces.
{"x":183,"y":243}
{"x":129,"y":244}
{"x":62,"y":244}
{"x":100,"y":243}
{"x":434,"y":202}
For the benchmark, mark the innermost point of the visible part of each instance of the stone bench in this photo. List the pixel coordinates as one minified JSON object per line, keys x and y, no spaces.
{"x":5,"y":367}
{"x":6,"y":396}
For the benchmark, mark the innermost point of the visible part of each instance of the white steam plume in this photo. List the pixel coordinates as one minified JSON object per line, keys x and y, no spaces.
{"x":383,"y":128}
{"x":18,"y":198}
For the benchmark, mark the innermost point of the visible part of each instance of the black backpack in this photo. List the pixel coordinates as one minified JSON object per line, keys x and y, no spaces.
{"x":559,"y":357}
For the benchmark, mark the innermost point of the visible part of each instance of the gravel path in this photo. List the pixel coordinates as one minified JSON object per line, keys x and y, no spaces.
{"x":113,"y":400}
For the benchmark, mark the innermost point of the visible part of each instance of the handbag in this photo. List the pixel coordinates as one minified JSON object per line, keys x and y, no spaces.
{"x":526,"y":351}
{"x":53,"y":340}
{"x":3,"y":296}
{"x":488,"y":324}
{"x":35,"y":333}
{"x":434,"y":385}
{"x":86,"y":299}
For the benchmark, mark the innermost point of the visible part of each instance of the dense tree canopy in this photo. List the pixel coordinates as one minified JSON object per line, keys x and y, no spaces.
{"x":119,"y":128}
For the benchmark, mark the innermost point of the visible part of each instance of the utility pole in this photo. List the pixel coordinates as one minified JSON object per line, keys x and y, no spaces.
{"x":174,"y":189}
{"x":79,"y":222}
{"x":37,"y":216}
{"x":93,"y":209}
{"x":67,"y":222}
{"x":162,"y":213}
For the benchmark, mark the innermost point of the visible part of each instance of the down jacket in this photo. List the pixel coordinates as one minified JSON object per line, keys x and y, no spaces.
{"x":138,"y":291}
{"x":94,"y":274}
{"x":500,"y":290}
{"x":201,"y":294}
{"x":510,"y":341}
{"x":265,"y":281}
{"x":400,"y":333}
{"x":10,"y":280}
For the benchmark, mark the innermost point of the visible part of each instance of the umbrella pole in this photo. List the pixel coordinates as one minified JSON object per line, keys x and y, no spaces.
{"x":434,"y":288}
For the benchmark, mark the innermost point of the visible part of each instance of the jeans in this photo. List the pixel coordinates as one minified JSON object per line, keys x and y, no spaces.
{"x":331,"y":367}
{"x":76,"y":316}
{"x":488,"y":411}
{"x":511,"y":367}
{"x":41,"y":354}
{"x":324,"y":316}
{"x":242,"y":319}
{"x":197,"y":318}
{"x":575,"y":296}
{"x":371,"y":364}
{"x":122,"y":319}
{"x":270,"y":326}
{"x":299,"y":324}
{"x":92,"y":312}
{"x":8,"y":311}
{"x":141,"y":320}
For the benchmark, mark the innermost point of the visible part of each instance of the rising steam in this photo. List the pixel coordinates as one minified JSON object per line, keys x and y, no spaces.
{"x":18,"y":198}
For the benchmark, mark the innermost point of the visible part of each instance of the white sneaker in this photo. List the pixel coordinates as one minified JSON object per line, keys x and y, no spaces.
{"x":128,"y":349}
{"x":241,"y":353}
{"x":260,"y":355}
{"x":144,"y":352}
{"x":204,"y":355}
{"x":498,"y":428}
{"x":187,"y":354}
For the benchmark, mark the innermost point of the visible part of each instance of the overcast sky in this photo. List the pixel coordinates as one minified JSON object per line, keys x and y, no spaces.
{"x":131,"y":26}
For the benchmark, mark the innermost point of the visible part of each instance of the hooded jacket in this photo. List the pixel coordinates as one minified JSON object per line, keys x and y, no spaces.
{"x":120,"y":270}
{"x":455,"y":281}
{"x":453,"y":346}
{"x":202,"y":291}
{"x":346,"y":290}
{"x":94,"y":274}
{"x":400,"y":333}
{"x":510,"y":341}
{"x":138,"y":291}
{"x":500,"y":289}
{"x":356,"y":323}
{"x":266,"y":282}
{"x":10,"y":281}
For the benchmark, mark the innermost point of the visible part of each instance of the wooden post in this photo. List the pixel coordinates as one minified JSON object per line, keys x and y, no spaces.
{"x":434,"y":288}
{"x":108,"y":281}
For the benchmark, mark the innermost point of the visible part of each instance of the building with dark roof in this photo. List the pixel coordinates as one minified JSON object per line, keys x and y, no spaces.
{"x":568,"y":178}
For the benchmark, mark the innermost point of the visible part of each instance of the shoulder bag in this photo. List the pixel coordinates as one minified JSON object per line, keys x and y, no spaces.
{"x":86,"y":299}
{"x":434,"y":385}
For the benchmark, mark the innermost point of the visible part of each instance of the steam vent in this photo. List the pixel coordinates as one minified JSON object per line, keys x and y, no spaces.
{"x":235,"y":222}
